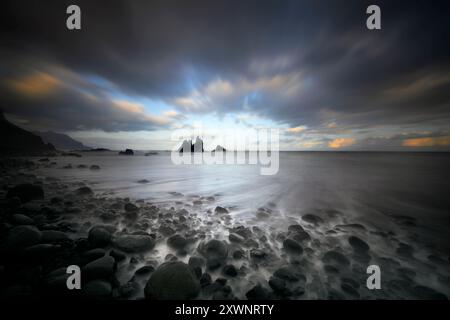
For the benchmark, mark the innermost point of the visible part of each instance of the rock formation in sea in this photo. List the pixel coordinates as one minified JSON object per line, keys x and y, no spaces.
{"x":219,"y":148}
{"x":127,"y":152}
{"x":188,"y":146}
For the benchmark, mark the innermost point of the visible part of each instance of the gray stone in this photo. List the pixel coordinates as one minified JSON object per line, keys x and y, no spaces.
{"x":101,"y":268}
{"x":23,"y":236}
{"x":134,"y":243}
{"x":99,"y":236}
{"x":172,"y":281}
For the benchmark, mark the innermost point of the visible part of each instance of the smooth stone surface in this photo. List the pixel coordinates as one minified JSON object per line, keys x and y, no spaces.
{"x":23,"y":236}
{"x":292,"y":246}
{"x":99,"y":289}
{"x":358,"y":244}
{"x":50,"y":236}
{"x":100,"y":268}
{"x":172,"y":281}
{"x":257,"y":293}
{"x":177,"y":242}
{"x":99,"y":236}
{"x":134,"y":243}
{"x":289,"y":273}
{"x":213,"y":249}
{"x":84,"y":191}
{"x":21,"y":219}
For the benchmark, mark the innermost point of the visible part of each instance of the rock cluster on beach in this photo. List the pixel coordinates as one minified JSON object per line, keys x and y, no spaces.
{"x":193,"y":248}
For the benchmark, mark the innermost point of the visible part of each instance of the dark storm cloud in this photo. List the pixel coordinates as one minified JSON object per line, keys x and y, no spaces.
{"x":295,"y":62}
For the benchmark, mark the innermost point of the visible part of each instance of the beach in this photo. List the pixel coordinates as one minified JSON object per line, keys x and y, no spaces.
{"x":140,"y":227}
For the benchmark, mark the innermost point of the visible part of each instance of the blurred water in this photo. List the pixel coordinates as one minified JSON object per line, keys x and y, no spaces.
{"x":361,"y":184}
{"x":375,"y":190}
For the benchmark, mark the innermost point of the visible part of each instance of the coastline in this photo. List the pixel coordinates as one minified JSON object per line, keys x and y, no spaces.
{"x":122,"y":243}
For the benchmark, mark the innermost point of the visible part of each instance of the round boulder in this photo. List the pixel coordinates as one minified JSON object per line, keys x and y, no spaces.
{"x":23,"y":236}
{"x":172,"y":281}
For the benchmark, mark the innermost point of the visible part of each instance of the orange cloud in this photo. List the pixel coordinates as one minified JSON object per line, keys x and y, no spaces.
{"x":297,"y":129}
{"x":341,"y":143}
{"x":129,"y":106}
{"x":139,"y":109}
{"x":35,"y":84}
{"x":427,"y":142}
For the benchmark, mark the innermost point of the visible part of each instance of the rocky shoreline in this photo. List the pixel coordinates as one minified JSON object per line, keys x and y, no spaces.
{"x":190,"y":249}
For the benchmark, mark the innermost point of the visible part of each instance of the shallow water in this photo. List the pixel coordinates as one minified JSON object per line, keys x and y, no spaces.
{"x":398,"y":199}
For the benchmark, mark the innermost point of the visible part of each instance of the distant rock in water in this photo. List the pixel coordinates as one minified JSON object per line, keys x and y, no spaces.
{"x":219,"y":149}
{"x":151,"y":153}
{"x":127,"y":152}
{"x":61,"y":141}
{"x":20,"y":141}
{"x":188,"y":146}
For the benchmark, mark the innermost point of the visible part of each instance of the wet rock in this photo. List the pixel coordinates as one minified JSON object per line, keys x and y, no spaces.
{"x":94,"y":254}
{"x":229,"y":270}
{"x":405,"y":250}
{"x":335,"y":295}
{"x":292,"y":246}
{"x":311,"y":218}
{"x":238,"y":254}
{"x":21,"y":219}
{"x":279,"y":287}
{"x":355,"y":284}
{"x":258,"y":254}
{"x":335,"y":258}
{"x":426,"y":293}
{"x":134,"y":243}
{"x":405,"y":221}
{"x":289,"y":273}
{"x":99,"y":236}
{"x":300,"y":236}
{"x":172,"y":281}
{"x":244,"y":232}
{"x":213,"y":249}
{"x":351,"y":226}
{"x":101,"y":268}
{"x":330,"y":269}
{"x":129,"y":289}
{"x":295,"y":228}
{"x":41,"y":251}
{"x":117,"y":255}
{"x":51,"y":236}
{"x":129,"y":207}
{"x":358,"y":244}
{"x":213,"y":264}
{"x":233,"y":237}
{"x":97,"y":289}
{"x":166,"y":231}
{"x":177,"y":242}
{"x":94,"y":167}
{"x":258,"y":292}
{"x":250,"y":243}
{"x":347,"y":288}
{"x":144,"y":270}
{"x":84,"y":191}
{"x":23,"y":236}
{"x":196,"y":262}
{"x":143,"y":181}
{"x":26,"y":192}
{"x":205,"y":280}
{"x":220,"y":210}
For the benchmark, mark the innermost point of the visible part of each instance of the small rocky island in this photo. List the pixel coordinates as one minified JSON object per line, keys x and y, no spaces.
{"x":127,"y":152}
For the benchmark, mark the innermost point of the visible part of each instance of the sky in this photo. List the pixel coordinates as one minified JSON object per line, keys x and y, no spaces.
{"x":139,"y":70}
